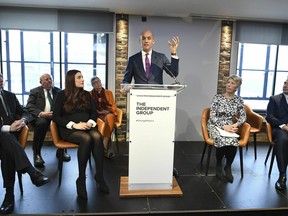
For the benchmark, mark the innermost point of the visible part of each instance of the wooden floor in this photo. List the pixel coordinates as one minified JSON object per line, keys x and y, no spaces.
{"x":202,"y":195}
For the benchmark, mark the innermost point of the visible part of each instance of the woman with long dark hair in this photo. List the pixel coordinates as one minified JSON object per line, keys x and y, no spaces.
{"x":75,"y":115}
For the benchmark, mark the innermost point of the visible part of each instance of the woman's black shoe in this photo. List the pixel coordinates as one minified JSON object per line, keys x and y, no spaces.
{"x":81,"y":188}
{"x":38,"y":178}
{"x":281,"y":183}
{"x":7,"y":206}
{"x":102,"y":186}
{"x":219,"y":173}
{"x":229,"y":175}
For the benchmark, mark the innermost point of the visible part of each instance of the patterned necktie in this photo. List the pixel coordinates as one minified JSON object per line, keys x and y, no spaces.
{"x":147,"y":65}
{"x":50,"y":99}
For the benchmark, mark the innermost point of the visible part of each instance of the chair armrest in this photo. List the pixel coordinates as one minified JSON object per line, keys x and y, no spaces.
{"x":54,"y":132}
{"x":269,"y":132}
{"x":22,"y":138}
{"x":204,"y":119}
{"x":244,"y":132}
{"x":101,"y":126}
{"x":255,"y":120}
{"x":119,"y":117}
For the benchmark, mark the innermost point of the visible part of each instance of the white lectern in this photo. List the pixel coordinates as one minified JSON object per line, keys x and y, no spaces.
{"x":151,"y":116}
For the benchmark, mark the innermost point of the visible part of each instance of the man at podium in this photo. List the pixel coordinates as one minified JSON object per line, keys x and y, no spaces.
{"x":147,"y":66}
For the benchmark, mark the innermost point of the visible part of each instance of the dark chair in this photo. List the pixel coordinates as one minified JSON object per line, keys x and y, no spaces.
{"x":255,"y":121}
{"x":244,"y":132}
{"x":62,"y":144}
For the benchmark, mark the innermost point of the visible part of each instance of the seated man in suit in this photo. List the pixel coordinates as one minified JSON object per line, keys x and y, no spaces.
{"x":12,"y":155}
{"x":40,"y":106}
{"x":147,"y":66}
{"x":277,"y":116}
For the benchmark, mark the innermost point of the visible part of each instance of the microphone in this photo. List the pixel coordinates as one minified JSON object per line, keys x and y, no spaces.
{"x":169,"y":71}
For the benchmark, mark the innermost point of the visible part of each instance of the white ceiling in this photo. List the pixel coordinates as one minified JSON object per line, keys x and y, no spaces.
{"x":269,"y":10}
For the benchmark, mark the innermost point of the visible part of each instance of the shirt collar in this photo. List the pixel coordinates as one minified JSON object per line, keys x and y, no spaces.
{"x":144,"y":53}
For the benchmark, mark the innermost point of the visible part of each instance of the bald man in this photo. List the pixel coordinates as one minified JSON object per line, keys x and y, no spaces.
{"x":147,"y":66}
{"x":40,"y":106}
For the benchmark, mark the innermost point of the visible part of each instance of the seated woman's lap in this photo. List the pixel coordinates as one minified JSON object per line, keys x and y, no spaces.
{"x":85,"y":137}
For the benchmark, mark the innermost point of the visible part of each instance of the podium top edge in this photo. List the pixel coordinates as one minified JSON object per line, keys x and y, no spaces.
{"x":176,"y":87}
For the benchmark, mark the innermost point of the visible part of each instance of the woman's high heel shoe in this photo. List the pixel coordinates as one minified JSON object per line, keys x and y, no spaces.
{"x":229,"y":175}
{"x":81,"y":188}
{"x":101,"y":185}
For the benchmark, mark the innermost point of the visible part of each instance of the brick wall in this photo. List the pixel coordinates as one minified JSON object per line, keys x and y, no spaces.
{"x":122,"y":30}
{"x":224,"y":67}
{"x":224,"y":54}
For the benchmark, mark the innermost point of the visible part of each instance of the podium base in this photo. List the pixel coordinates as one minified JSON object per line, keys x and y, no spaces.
{"x":124,"y":192}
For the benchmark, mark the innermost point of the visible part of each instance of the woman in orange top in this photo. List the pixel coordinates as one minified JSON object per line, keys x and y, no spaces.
{"x":106,"y":108}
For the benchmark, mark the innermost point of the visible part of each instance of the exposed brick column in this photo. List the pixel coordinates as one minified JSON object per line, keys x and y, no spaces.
{"x":120,"y":64}
{"x":225,"y":54}
{"x":224,"y":67}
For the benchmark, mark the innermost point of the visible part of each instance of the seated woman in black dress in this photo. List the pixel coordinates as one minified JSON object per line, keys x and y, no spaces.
{"x":75,"y":115}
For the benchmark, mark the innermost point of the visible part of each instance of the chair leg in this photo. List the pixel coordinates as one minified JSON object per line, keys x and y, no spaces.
{"x":255,"y":145}
{"x":268,"y":153}
{"x":204,"y":150}
{"x":20,"y":182}
{"x":208,"y":159}
{"x":271,"y":162}
{"x":60,"y":165}
{"x":116,"y":138}
{"x":241,"y":160}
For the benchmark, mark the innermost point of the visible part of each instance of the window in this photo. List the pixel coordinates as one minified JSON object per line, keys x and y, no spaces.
{"x":264,"y":68}
{"x":28,"y":54}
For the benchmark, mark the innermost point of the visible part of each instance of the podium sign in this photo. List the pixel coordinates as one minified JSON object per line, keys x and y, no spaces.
{"x":151,"y":138}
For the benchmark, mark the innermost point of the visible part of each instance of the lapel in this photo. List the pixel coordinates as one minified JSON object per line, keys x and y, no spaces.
{"x":283,"y":102}
{"x":43,"y":94}
{"x":54,"y":92}
{"x":140,"y":62}
{"x":4,"y":95}
{"x":6,"y":119}
{"x":154,"y":62}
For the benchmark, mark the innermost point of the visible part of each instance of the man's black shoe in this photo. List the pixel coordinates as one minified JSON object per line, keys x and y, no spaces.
{"x":66,"y":156}
{"x":38,"y":160}
{"x":38,"y":178}
{"x":7,"y":207}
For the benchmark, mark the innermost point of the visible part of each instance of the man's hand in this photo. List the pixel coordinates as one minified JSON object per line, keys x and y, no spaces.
{"x":285,"y":128}
{"x":46,"y":115}
{"x":174,"y":44}
{"x":17,"y":125}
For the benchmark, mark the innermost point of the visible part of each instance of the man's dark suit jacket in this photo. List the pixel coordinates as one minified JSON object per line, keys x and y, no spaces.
{"x":159,"y":62}
{"x":36,"y":100}
{"x":12,"y":155}
{"x":277,"y":111}
{"x":15,"y":109}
